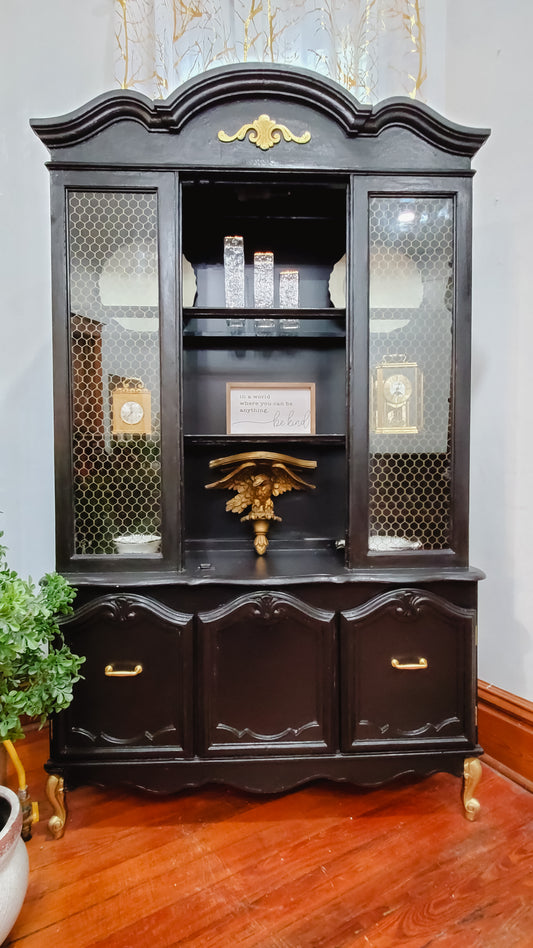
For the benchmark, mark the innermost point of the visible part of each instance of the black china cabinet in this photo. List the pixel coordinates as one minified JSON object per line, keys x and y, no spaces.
{"x":261,"y":304}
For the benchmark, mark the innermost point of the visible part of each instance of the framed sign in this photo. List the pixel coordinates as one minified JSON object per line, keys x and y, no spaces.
{"x":278,"y":408}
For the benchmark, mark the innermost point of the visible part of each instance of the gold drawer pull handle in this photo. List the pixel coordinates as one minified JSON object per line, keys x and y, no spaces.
{"x":422,"y":663}
{"x":111,"y":672}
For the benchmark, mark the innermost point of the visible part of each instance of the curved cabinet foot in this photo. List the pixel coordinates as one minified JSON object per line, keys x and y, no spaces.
{"x":55,"y":791}
{"x":471,"y":778}
{"x":30,"y":813}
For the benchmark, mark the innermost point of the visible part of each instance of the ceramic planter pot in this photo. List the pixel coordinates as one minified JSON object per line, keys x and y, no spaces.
{"x":14,"y":865}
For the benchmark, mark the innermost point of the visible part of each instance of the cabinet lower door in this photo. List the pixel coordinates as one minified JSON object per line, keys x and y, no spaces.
{"x":266,"y":677}
{"x":407,"y":673}
{"x":136,"y":691}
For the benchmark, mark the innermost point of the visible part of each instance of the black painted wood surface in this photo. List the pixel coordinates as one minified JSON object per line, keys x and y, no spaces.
{"x":266,"y":672}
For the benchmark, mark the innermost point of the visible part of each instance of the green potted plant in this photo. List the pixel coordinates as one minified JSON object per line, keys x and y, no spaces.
{"x":37,"y":669}
{"x":37,"y":673}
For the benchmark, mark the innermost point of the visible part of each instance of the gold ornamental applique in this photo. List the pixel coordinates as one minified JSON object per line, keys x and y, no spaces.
{"x":265,"y":133}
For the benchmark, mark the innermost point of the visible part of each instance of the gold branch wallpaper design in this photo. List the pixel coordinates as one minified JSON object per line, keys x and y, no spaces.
{"x":374,"y":48}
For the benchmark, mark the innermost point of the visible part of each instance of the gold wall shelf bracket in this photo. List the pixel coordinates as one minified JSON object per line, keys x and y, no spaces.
{"x":265,"y":133}
{"x":257,"y":477}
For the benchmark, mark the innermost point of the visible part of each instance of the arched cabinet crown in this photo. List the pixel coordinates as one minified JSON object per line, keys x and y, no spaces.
{"x":247,"y":92}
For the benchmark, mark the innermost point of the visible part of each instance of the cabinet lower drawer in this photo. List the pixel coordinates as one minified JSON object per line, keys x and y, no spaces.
{"x":136,"y":691}
{"x":407,"y":671}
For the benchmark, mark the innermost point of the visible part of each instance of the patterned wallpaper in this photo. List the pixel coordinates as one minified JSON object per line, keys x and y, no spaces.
{"x":374,"y":48}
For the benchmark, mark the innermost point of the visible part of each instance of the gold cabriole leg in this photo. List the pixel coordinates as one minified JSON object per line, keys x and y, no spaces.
{"x":471,"y":778}
{"x":55,"y":791}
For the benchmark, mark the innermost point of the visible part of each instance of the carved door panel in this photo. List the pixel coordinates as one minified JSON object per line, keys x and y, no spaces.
{"x":136,"y":691}
{"x":266,"y":677}
{"x":408,"y":664}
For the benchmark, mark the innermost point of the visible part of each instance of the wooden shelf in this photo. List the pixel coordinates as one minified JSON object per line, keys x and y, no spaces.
{"x":207,"y":329}
{"x":215,"y":341}
{"x":196,"y":440}
{"x":199,"y":312}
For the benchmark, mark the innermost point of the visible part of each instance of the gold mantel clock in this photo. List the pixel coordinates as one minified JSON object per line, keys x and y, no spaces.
{"x":132,"y":408}
{"x":397,"y":397}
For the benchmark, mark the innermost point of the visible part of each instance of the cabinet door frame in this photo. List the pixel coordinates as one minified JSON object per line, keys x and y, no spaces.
{"x":262,"y":610}
{"x":119,"y":621}
{"x":84,"y":567}
{"x":363,"y":188}
{"x":409,"y":610}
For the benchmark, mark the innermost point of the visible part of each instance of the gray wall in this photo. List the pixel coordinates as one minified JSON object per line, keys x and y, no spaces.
{"x":57,"y":55}
{"x":488,"y":83}
{"x":54,"y":56}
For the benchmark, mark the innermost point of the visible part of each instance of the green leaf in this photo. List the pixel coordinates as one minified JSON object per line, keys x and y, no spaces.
{"x":37,"y":669}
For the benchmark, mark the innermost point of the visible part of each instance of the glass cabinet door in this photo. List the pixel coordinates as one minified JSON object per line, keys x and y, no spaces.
{"x":411,"y":300}
{"x":115,"y":371}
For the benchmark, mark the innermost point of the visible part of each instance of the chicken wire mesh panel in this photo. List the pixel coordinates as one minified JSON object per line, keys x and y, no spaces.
{"x":115,"y":372}
{"x":411,"y":246}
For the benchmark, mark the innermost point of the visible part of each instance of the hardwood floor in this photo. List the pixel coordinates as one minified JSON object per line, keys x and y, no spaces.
{"x":327,"y":866}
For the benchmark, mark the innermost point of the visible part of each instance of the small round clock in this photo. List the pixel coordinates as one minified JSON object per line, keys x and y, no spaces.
{"x":131,"y":412}
{"x":397,"y":389}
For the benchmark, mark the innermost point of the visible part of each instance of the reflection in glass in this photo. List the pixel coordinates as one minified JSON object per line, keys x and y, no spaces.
{"x":410,"y":366}
{"x":114,"y":339}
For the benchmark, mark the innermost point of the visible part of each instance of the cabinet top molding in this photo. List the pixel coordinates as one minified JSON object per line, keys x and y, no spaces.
{"x":270,"y":83}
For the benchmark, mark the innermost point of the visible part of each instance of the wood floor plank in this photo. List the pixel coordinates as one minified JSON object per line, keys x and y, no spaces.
{"x":330,"y":878}
{"x":198,"y":857}
{"x":326,"y":866}
{"x":255,"y":878}
{"x":413,"y":906}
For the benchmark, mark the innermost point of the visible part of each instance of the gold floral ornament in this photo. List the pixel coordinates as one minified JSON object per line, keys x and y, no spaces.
{"x":265,"y":133}
{"x":257,"y":477}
